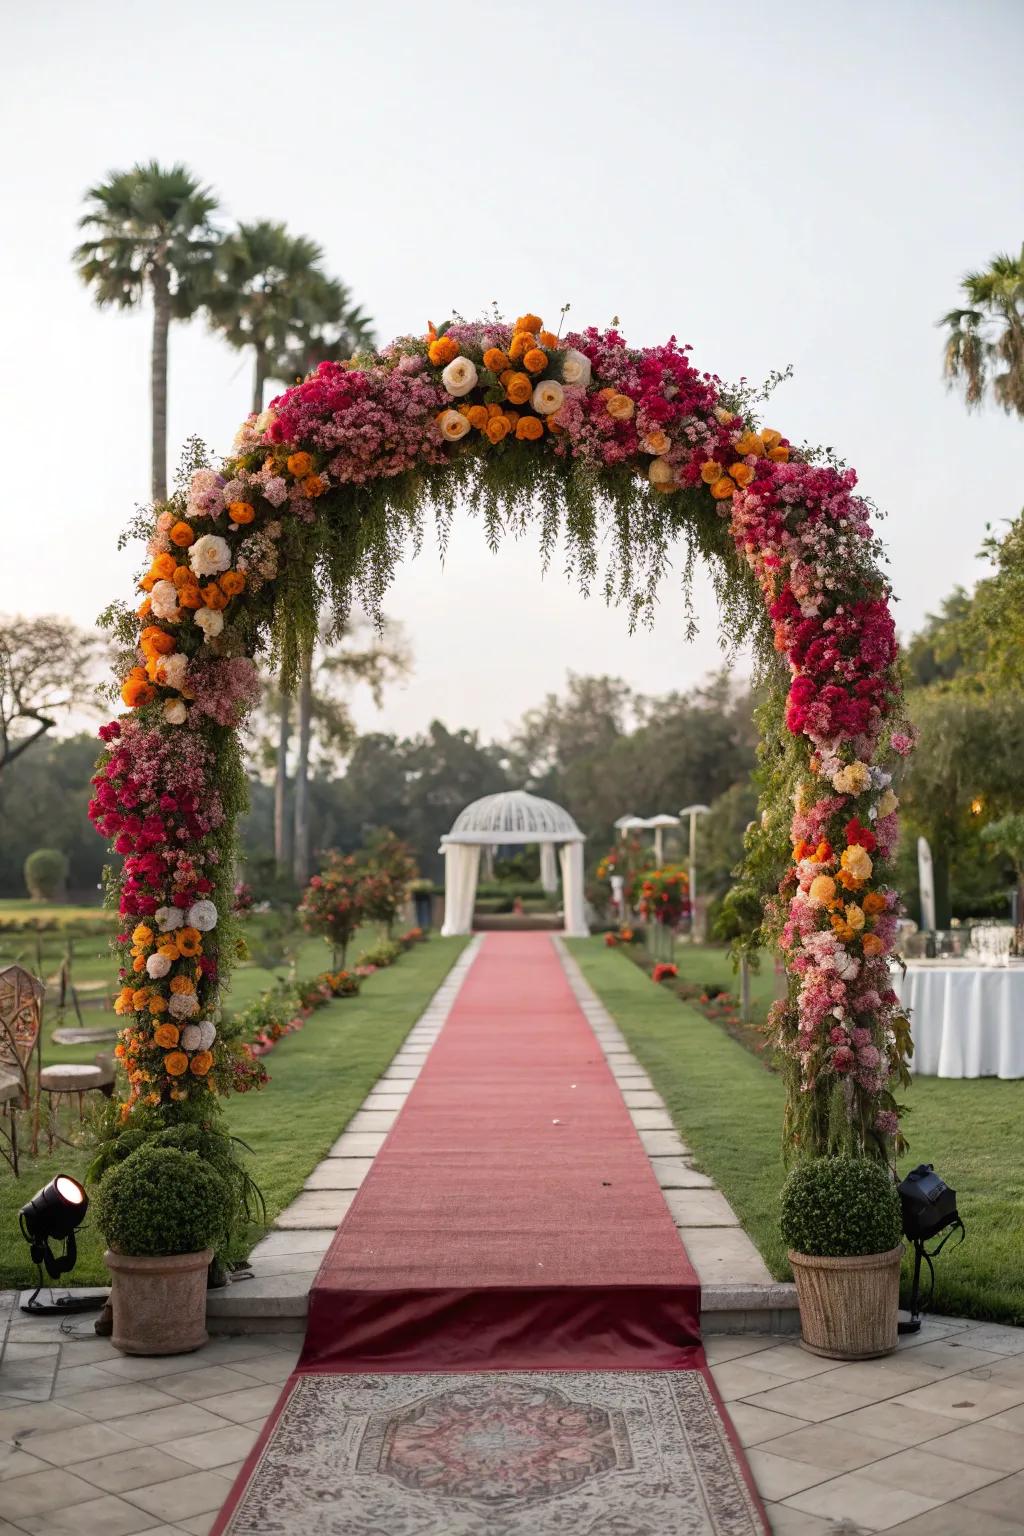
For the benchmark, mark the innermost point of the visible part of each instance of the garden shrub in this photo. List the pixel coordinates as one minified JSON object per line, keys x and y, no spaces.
{"x":380,"y":955}
{"x":46,"y":873}
{"x":161,"y":1201}
{"x":840,"y":1207}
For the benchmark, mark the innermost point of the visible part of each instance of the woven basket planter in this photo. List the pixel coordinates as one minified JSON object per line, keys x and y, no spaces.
{"x":159,"y":1304}
{"x":848,"y":1307}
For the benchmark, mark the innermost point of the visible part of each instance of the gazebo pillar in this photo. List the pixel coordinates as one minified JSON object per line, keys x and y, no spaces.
{"x":461,"y":867}
{"x":548,"y":867}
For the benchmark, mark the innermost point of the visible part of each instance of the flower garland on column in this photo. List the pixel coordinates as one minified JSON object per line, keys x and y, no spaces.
{"x":316,"y":499}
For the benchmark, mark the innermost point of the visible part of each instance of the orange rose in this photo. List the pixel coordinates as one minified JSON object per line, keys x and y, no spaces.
{"x":182,"y":535}
{"x":741,"y":473}
{"x":529,"y":429}
{"x":213,"y":597}
{"x":779,"y":455}
{"x":201,"y":1063}
{"x":522,"y":343}
{"x":770,"y":438}
{"x":750,"y":442}
{"x":873,"y":945}
{"x":166,"y":1036}
{"x":842,"y":928}
{"x":140,"y":997}
{"x":873,"y":903}
{"x":145,"y":608}
{"x":722,"y":489}
{"x":658,"y":443}
{"x":496,"y":360}
{"x":314,"y":485}
{"x":157,"y":1004}
{"x":494,"y":410}
{"x":511,"y":417}
{"x":497,"y":428}
{"x":711,"y":471}
{"x":154,"y":641}
{"x":547,"y":338}
{"x":443,"y":351}
{"x":136,"y":691}
{"x":163,"y":567}
{"x":190,"y":942}
{"x":232,"y":582}
{"x":849,"y":882}
{"x":535,"y":361}
{"x":619,"y":407}
{"x":182,"y":984}
{"x":300,"y":465}
{"x":477,"y":416}
{"x":241,"y":511}
{"x":190,"y":596}
{"x":142,"y":935}
{"x":528,"y":323}
{"x":519,"y":389}
{"x":175,"y":1063}
{"x":183,"y":577}
{"x":138,"y":964}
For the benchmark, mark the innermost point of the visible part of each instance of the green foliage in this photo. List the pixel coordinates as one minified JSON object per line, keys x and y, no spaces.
{"x":381,"y":955}
{"x":839,"y":1207}
{"x":162,"y":1200}
{"x":984,"y":350}
{"x":46,"y":873}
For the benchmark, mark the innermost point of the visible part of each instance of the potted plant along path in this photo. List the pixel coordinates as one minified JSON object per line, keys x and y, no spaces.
{"x":163,"y":1213}
{"x":842,"y":1223}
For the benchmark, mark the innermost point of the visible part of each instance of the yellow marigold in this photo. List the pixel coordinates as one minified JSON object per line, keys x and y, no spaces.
{"x":201,"y":1063}
{"x":443,"y":351}
{"x":722,"y":489}
{"x":478,"y":417}
{"x":166,"y":1036}
{"x":535,"y":360}
{"x":619,"y":407}
{"x":532,"y":323}
{"x":519,"y":389}
{"x":858,"y":861}
{"x":711,"y":471}
{"x":300,"y":465}
{"x":175,"y":1063}
{"x":182,"y":984}
{"x":496,"y":360}
{"x":190,"y":942}
{"x":521,"y":343}
{"x":750,"y":442}
{"x":529,"y":429}
{"x":741,"y":473}
{"x":497,"y":428}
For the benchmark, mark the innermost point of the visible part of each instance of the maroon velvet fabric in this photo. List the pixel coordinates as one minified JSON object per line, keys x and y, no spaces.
{"x":511,"y":1218}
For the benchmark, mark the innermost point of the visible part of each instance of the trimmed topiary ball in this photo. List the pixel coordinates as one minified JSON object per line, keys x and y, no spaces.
{"x":162,"y":1201}
{"x":840,"y":1207}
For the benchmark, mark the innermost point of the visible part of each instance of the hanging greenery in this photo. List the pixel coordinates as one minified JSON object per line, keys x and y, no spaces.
{"x":617,"y":455}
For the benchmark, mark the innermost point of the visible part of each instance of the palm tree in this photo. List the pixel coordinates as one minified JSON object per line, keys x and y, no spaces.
{"x":341,"y":330}
{"x":985,"y":340}
{"x":272,"y":294}
{"x":149,"y":230}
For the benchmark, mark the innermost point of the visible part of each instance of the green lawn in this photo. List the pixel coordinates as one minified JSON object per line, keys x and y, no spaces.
{"x":728,"y":1107}
{"x":318,"y":1079}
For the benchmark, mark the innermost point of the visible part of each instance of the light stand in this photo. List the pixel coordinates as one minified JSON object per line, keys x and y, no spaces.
{"x":929,"y":1207}
{"x":53,"y":1215}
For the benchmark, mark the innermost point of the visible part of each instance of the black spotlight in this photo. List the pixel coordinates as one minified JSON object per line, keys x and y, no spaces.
{"x":52,"y":1216}
{"x":929,"y":1207}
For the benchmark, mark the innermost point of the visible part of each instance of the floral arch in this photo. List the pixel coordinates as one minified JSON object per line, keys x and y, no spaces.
{"x":601,"y":444}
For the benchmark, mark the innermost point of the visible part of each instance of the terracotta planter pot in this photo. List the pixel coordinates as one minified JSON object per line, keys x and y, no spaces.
{"x":159,"y":1304}
{"x":848,"y":1307}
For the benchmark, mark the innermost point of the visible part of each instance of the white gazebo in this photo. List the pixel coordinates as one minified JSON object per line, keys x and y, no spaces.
{"x":495,"y":822}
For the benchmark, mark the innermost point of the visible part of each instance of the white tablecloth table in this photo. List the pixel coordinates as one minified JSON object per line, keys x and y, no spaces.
{"x":966,"y":1020}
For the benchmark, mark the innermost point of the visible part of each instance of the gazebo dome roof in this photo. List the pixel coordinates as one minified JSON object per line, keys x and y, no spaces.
{"x":513,"y":817}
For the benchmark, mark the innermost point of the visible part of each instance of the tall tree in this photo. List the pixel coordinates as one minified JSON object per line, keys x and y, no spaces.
{"x":44,"y":675}
{"x":984,"y":352}
{"x":272,"y":295}
{"x":149,"y":233}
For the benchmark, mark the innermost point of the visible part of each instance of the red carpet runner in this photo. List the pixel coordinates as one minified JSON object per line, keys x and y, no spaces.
{"x":511,"y":1219}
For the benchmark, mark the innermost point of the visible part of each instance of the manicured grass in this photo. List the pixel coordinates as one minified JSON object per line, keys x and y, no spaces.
{"x":728,"y":1107}
{"x":318,"y":1079}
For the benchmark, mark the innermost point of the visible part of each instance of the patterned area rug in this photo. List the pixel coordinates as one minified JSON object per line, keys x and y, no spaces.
{"x":539,"y":1453}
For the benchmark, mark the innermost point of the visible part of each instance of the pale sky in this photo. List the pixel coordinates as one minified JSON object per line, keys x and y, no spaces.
{"x":801,"y":183}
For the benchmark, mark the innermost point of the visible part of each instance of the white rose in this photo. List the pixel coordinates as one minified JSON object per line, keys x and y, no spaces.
{"x":191,"y":1036}
{"x":661,"y":474}
{"x":183,"y":1004}
{"x":175,"y":712}
{"x":168,"y":918}
{"x":887,"y":804}
{"x":460,"y":376}
{"x":164,"y":601}
{"x":157,"y":966}
{"x":202,"y":915}
{"x":209,"y":555}
{"x":453,"y":425}
{"x":172,"y":669}
{"x":207,"y":1034}
{"x":548,"y":397}
{"x":576,"y":368}
{"x":210,"y":621}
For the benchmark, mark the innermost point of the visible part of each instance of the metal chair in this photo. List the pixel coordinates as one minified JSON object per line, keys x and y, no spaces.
{"x":21,"y":1018}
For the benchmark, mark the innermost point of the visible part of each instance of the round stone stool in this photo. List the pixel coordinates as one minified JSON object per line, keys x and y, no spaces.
{"x":60,"y":1082}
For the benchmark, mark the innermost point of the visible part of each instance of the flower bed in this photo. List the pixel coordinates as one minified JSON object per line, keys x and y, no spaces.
{"x":282,"y":1010}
